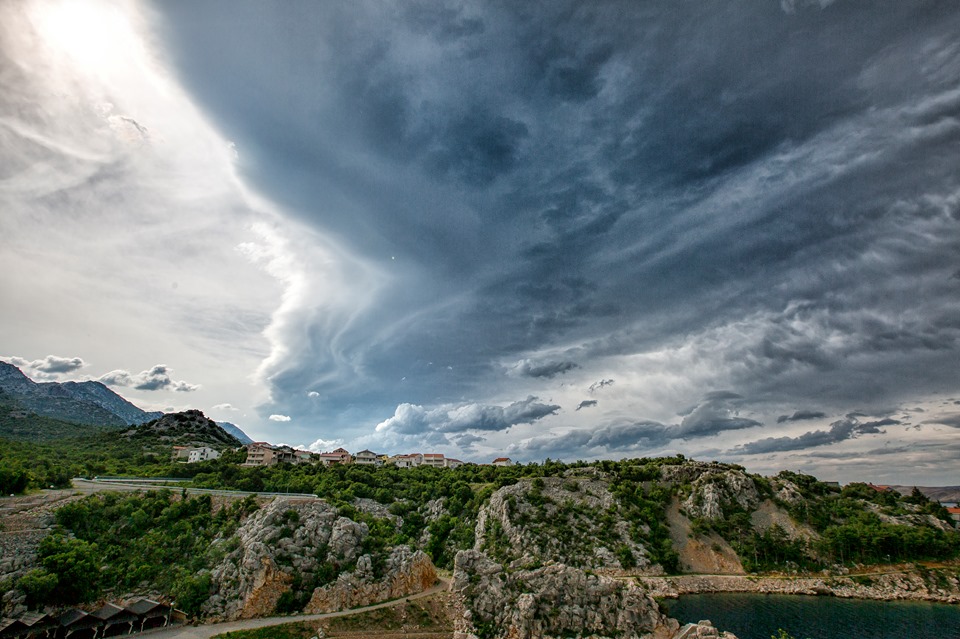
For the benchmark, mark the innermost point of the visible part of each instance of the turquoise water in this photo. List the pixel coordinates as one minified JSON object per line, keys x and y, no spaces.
{"x":751,"y":616}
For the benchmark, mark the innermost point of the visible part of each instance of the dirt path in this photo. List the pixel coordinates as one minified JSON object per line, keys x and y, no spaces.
{"x":212,"y":630}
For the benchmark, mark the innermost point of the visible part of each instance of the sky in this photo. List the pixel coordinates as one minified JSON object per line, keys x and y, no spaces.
{"x":572,"y":230}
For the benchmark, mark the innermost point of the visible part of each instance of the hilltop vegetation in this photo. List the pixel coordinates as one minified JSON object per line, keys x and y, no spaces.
{"x":40,"y":452}
{"x":520,"y":520}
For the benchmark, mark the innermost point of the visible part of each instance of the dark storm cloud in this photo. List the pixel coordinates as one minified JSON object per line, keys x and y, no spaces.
{"x":775,"y":187}
{"x":847,"y":428}
{"x":600,"y":384}
{"x":715,"y":414}
{"x":412,"y":420}
{"x":801,"y":415}
{"x":621,"y":437}
{"x":466,"y":441}
{"x":952,"y":421}
{"x":548,"y":369}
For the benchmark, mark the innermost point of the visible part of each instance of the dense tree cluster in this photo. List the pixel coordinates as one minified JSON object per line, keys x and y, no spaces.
{"x":128,"y":542}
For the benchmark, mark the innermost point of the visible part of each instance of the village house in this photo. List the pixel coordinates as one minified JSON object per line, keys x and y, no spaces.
{"x":434,"y":460}
{"x":502,"y":461}
{"x":338,"y":456}
{"x":304,"y":457}
{"x":263,"y":454}
{"x":407,"y":461}
{"x":367,"y":457}
{"x":181,"y":452}
{"x":449,"y":462}
{"x":201,"y":454}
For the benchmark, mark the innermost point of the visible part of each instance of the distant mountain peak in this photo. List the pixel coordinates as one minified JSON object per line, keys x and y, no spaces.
{"x":89,"y":402}
{"x":236,"y":431}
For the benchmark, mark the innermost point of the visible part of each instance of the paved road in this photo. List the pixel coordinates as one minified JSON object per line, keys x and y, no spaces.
{"x":212,"y":630}
{"x":134,"y":484}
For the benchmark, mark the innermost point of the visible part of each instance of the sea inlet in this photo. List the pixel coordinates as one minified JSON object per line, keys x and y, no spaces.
{"x":754,"y":616}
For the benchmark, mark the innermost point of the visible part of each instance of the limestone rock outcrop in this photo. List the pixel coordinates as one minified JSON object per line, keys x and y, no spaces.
{"x":407,"y":572}
{"x":702,"y":630}
{"x":290,"y":545}
{"x":711,"y":491}
{"x":567,"y":520}
{"x":555,"y":600}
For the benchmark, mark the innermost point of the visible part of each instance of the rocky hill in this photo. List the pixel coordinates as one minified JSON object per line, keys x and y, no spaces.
{"x":187,"y":428}
{"x":550,"y":550}
{"x":89,"y":403}
{"x":306,"y":556}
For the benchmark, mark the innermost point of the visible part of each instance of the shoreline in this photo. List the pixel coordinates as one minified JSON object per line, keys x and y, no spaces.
{"x":933,"y":585}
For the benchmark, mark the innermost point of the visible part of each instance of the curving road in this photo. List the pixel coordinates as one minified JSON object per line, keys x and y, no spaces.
{"x":214,"y":629}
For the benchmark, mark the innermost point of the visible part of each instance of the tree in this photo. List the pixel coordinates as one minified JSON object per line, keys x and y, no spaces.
{"x":13,"y":481}
{"x":39,"y":586}
{"x":75,"y":565}
{"x":191,"y":592}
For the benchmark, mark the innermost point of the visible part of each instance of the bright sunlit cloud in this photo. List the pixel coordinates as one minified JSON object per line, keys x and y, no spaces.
{"x":98,"y":37}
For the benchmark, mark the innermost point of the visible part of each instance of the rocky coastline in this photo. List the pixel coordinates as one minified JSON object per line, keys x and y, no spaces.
{"x":936,"y":585}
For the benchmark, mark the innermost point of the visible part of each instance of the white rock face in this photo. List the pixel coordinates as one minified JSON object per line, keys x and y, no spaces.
{"x":567,"y":520}
{"x":711,"y":491}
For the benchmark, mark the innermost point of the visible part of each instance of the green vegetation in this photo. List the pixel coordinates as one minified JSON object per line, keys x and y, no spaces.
{"x":21,"y":425}
{"x":124,"y":542}
{"x":643,"y":502}
{"x":13,"y":479}
{"x":296,"y":630}
{"x":159,"y":541}
{"x":849,"y":523}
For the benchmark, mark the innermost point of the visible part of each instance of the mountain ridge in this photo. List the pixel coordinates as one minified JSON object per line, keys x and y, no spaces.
{"x":236,"y":431}
{"x":90,"y":403}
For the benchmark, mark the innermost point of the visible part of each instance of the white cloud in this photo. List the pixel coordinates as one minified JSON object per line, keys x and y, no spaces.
{"x":313,"y":394}
{"x":122,"y":208}
{"x":324,"y":445}
{"x":279,"y":418}
{"x":155,"y":378}
{"x":51,"y":364}
{"x":227,"y":407}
